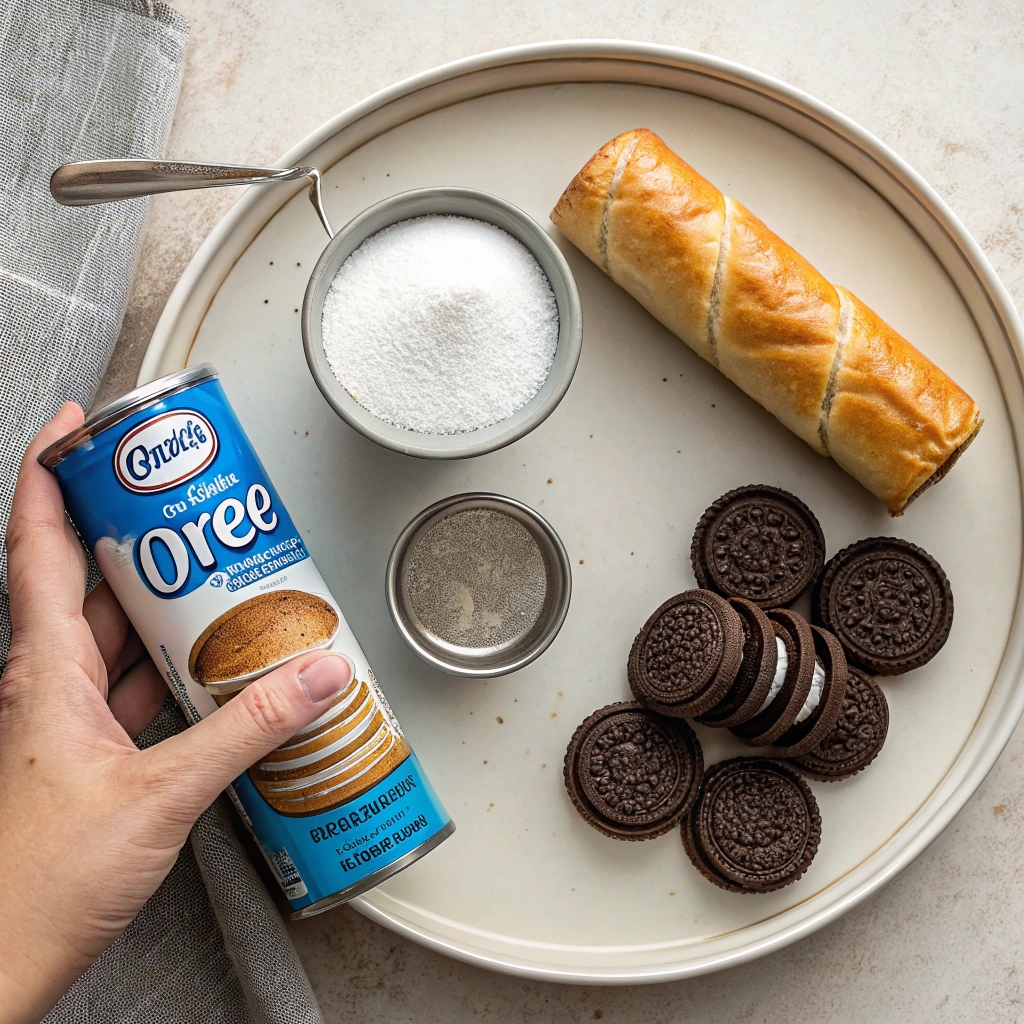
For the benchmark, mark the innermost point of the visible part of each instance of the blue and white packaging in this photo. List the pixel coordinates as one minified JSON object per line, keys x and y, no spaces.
{"x":165,"y":488}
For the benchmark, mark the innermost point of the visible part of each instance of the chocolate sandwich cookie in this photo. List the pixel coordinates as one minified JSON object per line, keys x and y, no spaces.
{"x":758,"y":542}
{"x":755,"y":826}
{"x":631,"y":773}
{"x":856,"y":738}
{"x":686,"y":657}
{"x":888,"y":603}
{"x":825,"y":701}
{"x":757,"y":670}
{"x":791,"y":685}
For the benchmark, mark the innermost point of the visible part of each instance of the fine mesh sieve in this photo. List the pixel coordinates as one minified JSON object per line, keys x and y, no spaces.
{"x":478,"y":584}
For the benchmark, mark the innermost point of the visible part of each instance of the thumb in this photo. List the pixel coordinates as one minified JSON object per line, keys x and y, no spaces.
{"x":204,"y":759}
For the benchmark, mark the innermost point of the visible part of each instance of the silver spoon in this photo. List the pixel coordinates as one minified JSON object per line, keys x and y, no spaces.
{"x":103,"y":181}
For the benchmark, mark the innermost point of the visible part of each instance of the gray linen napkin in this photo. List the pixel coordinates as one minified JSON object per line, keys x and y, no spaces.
{"x":192,"y":954}
{"x":92,"y":79}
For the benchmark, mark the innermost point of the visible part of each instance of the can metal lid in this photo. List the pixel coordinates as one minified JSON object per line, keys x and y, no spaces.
{"x":123,"y":407}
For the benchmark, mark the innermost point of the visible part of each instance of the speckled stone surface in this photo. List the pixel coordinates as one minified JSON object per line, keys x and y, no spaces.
{"x":942,"y":83}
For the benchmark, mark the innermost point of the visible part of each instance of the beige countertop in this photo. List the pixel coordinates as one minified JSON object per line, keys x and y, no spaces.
{"x":940,"y":81}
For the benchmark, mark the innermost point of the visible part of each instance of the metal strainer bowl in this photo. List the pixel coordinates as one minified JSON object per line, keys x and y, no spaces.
{"x":478,"y":584}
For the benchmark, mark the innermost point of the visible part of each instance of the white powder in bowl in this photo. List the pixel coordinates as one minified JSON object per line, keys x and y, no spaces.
{"x":441,"y":325}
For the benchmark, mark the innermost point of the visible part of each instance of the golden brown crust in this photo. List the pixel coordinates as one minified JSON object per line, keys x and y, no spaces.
{"x":895,"y":418}
{"x":580,"y":211}
{"x":652,"y":223}
{"x":814,"y":356}
{"x":664,"y":231}
{"x":777,"y":322}
{"x":941,"y":472}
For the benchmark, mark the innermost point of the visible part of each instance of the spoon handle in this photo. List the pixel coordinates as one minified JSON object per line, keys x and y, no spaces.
{"x":103,"y":181}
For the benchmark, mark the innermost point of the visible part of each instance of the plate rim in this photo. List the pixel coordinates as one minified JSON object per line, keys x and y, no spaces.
{"x":978,"y":754}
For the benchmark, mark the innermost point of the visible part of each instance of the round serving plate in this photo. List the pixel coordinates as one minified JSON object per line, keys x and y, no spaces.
{"x":647,"y":436}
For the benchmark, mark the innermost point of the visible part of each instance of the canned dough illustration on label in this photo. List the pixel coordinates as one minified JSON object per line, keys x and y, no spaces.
{"x":194,"y":540}
{"x":259,"y":633}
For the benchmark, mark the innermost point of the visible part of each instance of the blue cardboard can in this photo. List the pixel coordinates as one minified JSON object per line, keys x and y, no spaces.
{"x":183,"y":521}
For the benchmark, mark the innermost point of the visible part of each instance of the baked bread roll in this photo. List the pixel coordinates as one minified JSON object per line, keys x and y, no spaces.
{"x":811,"y":353}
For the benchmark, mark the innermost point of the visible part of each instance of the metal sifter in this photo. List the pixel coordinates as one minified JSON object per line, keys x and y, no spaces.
{"x":478,"y":584}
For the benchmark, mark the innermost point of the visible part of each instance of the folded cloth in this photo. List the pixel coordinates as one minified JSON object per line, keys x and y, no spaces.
{"x":79,"y":80}
{"x":96,"y":79}
{"x":192,"y":954}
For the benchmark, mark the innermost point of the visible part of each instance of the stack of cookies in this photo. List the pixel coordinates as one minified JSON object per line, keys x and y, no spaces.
{"x":732,"y":655}
{"x":351,"y":747}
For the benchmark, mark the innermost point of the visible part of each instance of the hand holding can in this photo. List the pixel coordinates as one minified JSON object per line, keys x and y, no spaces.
{"x":197,"y":545}
{"x":89,"y":826}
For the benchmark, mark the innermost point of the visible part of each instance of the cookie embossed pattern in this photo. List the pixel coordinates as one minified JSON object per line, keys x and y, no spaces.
{"x":755,"y":826}
{"x":889,"y":603}
{"x":196,"y":543}
{"x":631,"y":774}
{"x":760,"y":543}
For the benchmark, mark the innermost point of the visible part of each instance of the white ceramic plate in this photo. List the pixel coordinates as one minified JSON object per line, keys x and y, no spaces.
{"x":646,"y":438}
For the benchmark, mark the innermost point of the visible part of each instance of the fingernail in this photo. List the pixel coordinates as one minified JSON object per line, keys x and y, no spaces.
{"x":325,"y":678}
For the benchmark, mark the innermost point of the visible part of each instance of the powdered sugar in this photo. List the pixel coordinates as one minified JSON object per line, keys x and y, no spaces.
{"x":441,"y":325}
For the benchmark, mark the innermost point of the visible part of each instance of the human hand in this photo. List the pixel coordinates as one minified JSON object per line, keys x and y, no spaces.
{"x":89,"y":824}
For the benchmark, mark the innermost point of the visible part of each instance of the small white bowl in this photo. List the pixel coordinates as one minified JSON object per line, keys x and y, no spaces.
{"x":461,"y":202}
